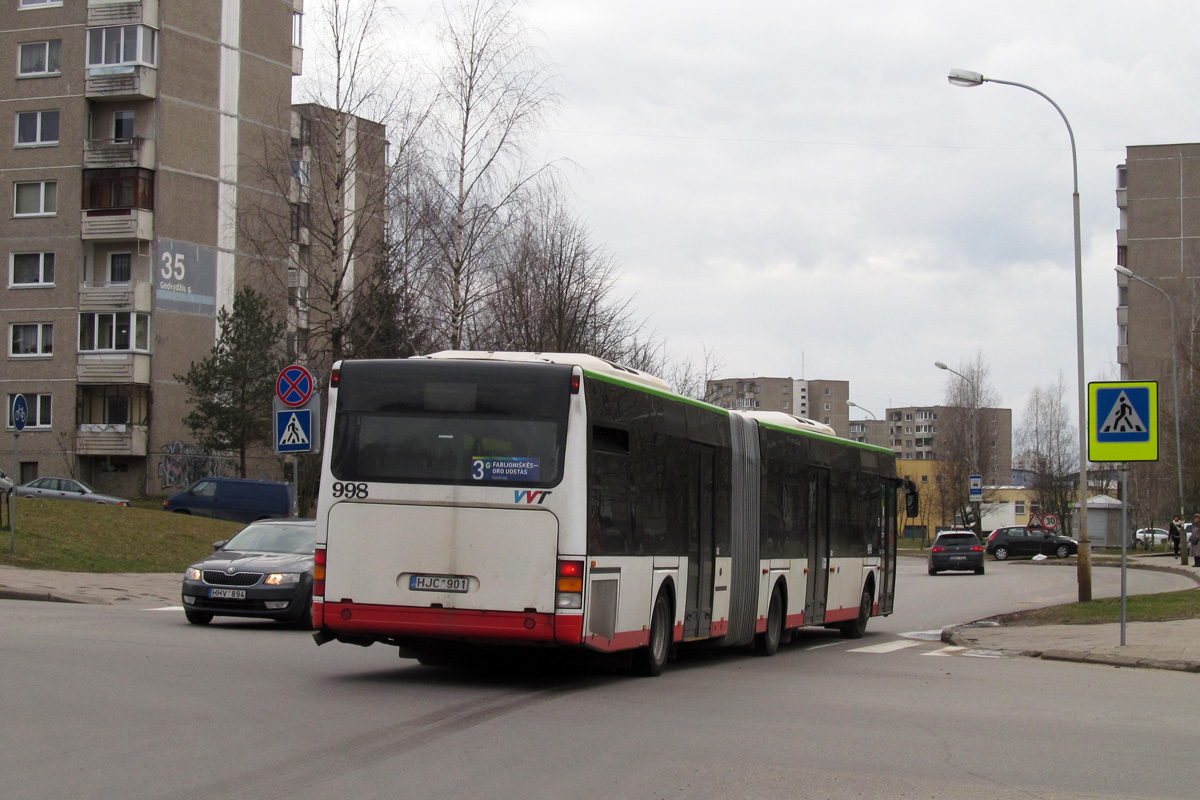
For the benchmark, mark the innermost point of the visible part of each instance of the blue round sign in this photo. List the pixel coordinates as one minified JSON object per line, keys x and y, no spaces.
{"x":20,"y":412}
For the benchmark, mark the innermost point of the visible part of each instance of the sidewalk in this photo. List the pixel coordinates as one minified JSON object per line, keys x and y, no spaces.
{"x":1174,"y":644}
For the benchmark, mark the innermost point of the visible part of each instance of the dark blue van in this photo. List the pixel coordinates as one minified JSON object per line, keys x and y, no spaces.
{"x":233,"y":499}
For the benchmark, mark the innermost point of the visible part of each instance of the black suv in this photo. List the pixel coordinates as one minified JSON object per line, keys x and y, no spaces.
{"x":1020,"y":541}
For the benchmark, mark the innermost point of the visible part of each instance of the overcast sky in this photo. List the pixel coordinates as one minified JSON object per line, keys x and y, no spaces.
{"x":796,"y":186}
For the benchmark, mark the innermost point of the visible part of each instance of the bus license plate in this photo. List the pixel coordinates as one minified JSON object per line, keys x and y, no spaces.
{"x":439,"y":583}
{"x":228,"y":594}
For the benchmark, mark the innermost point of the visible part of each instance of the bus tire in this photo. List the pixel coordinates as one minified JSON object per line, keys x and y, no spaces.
{"x":767,"y":642}
{"x":650,"y":660}
{"x":855,"y":628}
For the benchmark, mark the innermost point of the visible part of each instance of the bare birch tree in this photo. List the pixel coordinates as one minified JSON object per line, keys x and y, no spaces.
{"x":961,"y":441}
{"x":1048,"y":438}
{"x":494,"y":92}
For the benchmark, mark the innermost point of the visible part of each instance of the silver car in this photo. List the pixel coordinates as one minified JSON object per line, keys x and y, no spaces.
{"x":66,"y":489}
{"x":6,"y":484}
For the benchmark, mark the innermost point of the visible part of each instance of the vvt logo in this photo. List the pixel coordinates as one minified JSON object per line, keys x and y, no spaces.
{"x":529,"y":496}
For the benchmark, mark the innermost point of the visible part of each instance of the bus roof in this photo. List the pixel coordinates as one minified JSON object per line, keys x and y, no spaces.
{"x":782,"y":419}
{"x":589,"y":363}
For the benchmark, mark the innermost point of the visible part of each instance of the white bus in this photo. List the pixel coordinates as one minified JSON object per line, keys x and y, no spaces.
{"x":560,"y":500}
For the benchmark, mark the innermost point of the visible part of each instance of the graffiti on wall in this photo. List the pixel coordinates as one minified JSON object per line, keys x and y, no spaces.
{"x":180,"y":465}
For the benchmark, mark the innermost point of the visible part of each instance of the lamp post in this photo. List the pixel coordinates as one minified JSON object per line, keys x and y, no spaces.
{"x":974,"y":436}
{"x":962,"y":77}
{"x":1175,"y":391}
{"x":853,"y":404}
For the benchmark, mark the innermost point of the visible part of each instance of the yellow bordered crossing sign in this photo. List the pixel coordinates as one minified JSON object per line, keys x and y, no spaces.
{"x":1123,"y":421}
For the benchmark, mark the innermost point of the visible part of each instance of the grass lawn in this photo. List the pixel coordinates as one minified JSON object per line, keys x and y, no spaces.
{"x":86,"y":537}
{"x":1139,"y":608}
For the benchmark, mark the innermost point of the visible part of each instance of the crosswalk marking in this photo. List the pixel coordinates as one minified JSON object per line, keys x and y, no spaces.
{"x":950,"y":650}
{"x":886,"y":647}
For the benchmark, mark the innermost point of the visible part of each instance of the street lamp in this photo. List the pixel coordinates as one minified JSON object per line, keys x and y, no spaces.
{"x":974,"y":435}
{"x":962,"y":77}
{"x":853,"y":404}
{"x":1175,"y":390}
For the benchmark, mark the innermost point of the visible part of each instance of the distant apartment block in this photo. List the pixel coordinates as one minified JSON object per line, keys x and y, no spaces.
{"x":913,"y":435}
{"x":820,"y":400}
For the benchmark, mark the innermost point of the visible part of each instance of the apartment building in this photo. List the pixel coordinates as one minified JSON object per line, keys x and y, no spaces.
{"x":913,"y":433}
{"x":135,"y":129}
{"x":822,"y":400}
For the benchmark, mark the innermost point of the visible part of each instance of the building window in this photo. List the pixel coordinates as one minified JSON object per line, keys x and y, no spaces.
{"x":297,"y":29}
{"x":38,"y":3}
{"x":1019,"y":508}
{"x":35,"y":199}
{"x":826,"y":407}
{"x":31,"y":269}
{"x":118,"y":188}
{"x":299,"y":220}
{"x":36,"y":128}
{"x":108,"y":332}
{"x":40,"y":406}
{"x":120,"y":267}
{"x":123,"y":126}
{"x":38,"y":59}
{"x":31,"y":339}
{"x":125,"y":45}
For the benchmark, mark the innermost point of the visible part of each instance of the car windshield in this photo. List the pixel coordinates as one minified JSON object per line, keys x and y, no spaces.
{"x":956,"y":539}
{"x":274,"y":538}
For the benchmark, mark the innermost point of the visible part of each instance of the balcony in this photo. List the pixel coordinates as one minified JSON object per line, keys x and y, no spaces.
{"x":111,"y":440}
{"x":115,"y":296}
{"x":114,"y":368}
{"x":125,"y":82}
{"x":118,"y":153}
{"x":122,"y":223}
{"x":122,"y":12}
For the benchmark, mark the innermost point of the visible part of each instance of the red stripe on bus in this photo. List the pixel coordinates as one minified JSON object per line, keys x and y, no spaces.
{"x":445,"y":623}
{"x":719,"y":628}
{"x":622,"y":640}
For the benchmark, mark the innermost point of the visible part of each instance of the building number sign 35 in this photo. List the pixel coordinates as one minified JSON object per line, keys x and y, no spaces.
{"x":173,"y":266}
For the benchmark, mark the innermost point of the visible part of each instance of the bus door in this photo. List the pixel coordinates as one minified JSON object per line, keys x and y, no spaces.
{"x":817,"y":591}
{"x":697,"y":619}
{"x":887,"y":555}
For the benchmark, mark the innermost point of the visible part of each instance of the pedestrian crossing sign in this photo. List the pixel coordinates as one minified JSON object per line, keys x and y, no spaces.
{"x":293,"y":431}
{"x":1123,"y":421}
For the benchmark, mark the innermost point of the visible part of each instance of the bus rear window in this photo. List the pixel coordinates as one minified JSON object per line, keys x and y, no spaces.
{"x":451,"y":422}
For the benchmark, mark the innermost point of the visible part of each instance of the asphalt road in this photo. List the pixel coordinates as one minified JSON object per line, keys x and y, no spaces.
{"x":105,"y":702}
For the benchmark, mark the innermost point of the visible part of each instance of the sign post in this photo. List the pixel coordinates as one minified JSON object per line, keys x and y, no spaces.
{"x":297,"y":420}
{"x":20,"y":413}
{"x":1123,"y":427}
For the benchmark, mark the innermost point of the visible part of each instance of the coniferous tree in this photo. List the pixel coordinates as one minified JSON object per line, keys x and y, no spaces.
{"x":232,"y":390}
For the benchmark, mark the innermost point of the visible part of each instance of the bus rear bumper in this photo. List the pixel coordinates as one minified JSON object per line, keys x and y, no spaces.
{"x":494,"y":627}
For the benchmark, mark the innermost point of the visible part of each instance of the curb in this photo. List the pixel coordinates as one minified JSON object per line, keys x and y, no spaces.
{"x":41,"y":597}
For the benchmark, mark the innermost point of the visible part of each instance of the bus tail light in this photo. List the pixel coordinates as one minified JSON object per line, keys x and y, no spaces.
{"x":569,"y":585}
{"x":319,"y":572}
{"x":335,"y":377}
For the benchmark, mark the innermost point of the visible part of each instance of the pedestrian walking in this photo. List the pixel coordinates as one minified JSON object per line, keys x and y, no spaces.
{"x":1175,"y":534}
{"x":1194,"y":541}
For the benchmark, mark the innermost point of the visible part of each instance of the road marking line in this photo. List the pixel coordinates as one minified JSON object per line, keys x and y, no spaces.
{"x":886,"y":647}
{"x":925,"y":636}
{"x":165,"y":608}
{"x":950,"y":650}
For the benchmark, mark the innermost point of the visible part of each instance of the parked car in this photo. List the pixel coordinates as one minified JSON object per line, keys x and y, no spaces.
{"x":1151,"y":537}
{"x":66,"y":489}
{"x":1004,"y":543}
{"x":265,"y":570}
{"x":233,"y":499}
{"x":956,"y":549}
{"x":6,"y":484}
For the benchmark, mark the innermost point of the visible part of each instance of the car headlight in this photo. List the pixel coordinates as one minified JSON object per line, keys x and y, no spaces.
{"x":191,"y":574}
{"x":282,"y":578}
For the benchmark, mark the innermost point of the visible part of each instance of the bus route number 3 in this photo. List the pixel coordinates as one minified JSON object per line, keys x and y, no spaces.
{"x":349,"y":491}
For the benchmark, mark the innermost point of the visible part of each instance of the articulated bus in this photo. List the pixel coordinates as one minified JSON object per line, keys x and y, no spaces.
{"x":473,"y":498}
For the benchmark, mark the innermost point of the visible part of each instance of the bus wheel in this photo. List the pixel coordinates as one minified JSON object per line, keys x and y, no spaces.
{"x":767,"y":642}
{"x":651,"y":659}
{"x":855,"y":628}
